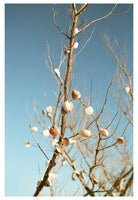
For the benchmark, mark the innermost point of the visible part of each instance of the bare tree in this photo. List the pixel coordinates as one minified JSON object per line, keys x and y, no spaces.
{"x":87,"y":143}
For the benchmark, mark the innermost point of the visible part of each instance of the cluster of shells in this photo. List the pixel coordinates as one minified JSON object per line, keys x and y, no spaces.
{"x":54,"y":131}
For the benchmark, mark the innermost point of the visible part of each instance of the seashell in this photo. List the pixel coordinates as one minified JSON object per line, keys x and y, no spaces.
{"x":72,"y":141}
{"x":89,"y":110}
{"x":57,"y":72}
{"x":75,"y":94}
{"x":68,"y":106}
{"x":34,"y":129}
{"x":66,"y":51}
{"x":54,"y":142}
{"x":54,"y":130}
{"x":27,"y":144}
{"x":49,"y":115}
{"x":76,"y":31}
{"x":95,"y":181}
{"x":47,"y":164}
{"x":75,"y":46}
{"x":44,"y":111}
{"x":120,"y":140}
{"x":79,"y":96}
{"x":46,"y":133}
{"x":127,"y":89}
{"x":84,"y":133}
{"x":49,"y":109}
{"x":64,"y":161}
{"x":66,"y":141}
{"x":104,"y":132}
{"x":52,"y":175}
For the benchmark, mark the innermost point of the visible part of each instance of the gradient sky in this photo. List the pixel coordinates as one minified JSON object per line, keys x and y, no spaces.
{"x":26,"y":75}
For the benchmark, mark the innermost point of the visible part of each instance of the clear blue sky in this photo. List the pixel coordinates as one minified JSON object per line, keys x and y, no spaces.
{"x":26,"y":75}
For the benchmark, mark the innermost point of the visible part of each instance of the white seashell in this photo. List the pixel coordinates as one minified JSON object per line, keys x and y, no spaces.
{"x":84,"y":133}
{"x":57,"y":72}
{"x":72,"y":141}
{"x":127,"y":89}
{"x":79,"y":95}
{"x":75,"y":46}
{"x":76,"y":31}
{"x":27,"y":144}
{"x":34,"y":129}
{"x":46,"y":133}
{"x":104,"y":132}
{"x":52,"y":176}
{"x":54,"y":142}
{"x":89,"y":110}
{"x":49,"y":115}
{"x":49,"y":109}
{"x":47,"y":164}
{"x":68,"y":106}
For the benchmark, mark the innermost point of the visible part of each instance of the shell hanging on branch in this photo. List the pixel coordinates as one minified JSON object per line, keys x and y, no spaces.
{"x":127,"y":89}
{"x":120,"y":140}
{"x":54,"y":130}
{"x":66,"y":141}
{"x":49,"y":109}
{"x":44,"y":111}
{"x":66,"y":51}
{"x":85,"y":133}
{"x":76,"y":31}
{"x":34,"y":129}
{"x":75,"y":94}
{"x":49,"y":115}
{"x":89,"y":110}
{"x":75,"y":46}
{"x":46,"y":133}
{"x":95,"y":181}
{"x":103,"y":132}
{"x":54,"y":142}
{"x":68,"y":106}
{"x":53,"y":175}
{"x":27,"y":144}
{"x":57,"y":72}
